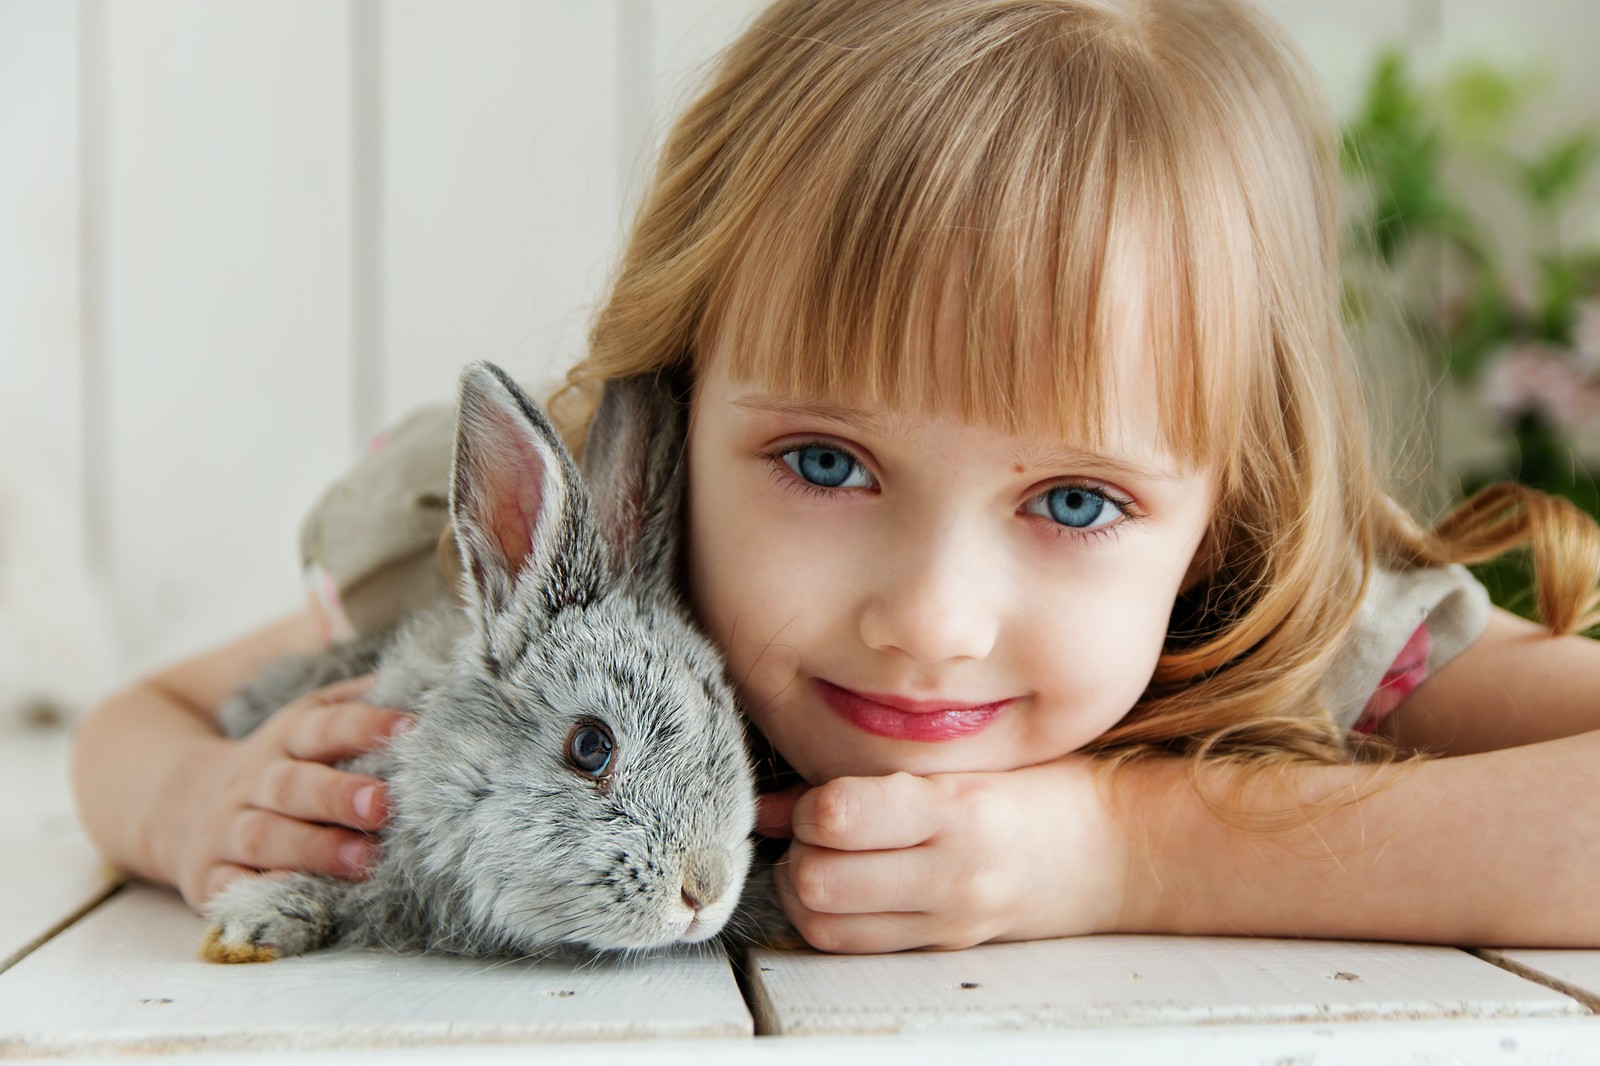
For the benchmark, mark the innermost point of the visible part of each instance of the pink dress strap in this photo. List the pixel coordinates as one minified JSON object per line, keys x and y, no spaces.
{"x":1410,"y":669}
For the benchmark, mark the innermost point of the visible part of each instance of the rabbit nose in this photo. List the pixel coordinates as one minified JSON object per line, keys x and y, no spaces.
{"x":705,"y":877}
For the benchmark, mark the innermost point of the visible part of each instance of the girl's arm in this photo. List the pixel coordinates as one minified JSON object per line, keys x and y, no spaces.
{"x":1496,"y":845}
{"x":1514,"y":685}
{"x":1498,"y":848}
{"x":162,"y":794}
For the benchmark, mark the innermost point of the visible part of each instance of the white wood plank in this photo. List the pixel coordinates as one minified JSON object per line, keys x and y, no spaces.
{"x":1118,"y":980}
{"x":50,"y":874}
{"x":229,"y":323}
{"x":1458,"y":1043}
{"x":1576,"y":973}
{"x":127,"y":979}
{"x":499,"y":187}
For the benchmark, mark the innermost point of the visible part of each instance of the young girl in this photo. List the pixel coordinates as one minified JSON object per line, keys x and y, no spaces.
{"x":1023,"y":445}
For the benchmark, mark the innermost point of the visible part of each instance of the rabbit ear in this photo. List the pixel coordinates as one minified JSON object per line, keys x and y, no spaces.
{"x":520,"y":514}
{"x":633,"y":462}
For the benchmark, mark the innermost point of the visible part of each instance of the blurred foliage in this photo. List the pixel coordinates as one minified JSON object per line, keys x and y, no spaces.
{"x":1407,"y":152}
{"x":1395,"y":146}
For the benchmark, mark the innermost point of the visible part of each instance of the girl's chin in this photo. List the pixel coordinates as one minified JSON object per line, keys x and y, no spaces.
{"x":879,"y":757}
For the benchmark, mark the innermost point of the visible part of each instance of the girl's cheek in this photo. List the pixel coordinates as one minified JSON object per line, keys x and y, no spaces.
{"x":731,"y":580}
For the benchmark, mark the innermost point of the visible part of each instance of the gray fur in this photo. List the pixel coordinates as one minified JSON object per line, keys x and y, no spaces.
{"x":497,"y":844}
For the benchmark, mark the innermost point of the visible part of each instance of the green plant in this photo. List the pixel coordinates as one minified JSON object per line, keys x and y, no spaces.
{"x":1525,"y":333}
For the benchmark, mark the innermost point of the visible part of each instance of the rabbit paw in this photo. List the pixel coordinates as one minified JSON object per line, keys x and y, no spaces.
{"x":259,"y":919}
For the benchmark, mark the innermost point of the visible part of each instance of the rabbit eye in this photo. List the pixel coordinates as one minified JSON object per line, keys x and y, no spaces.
{"x":589,"y":748}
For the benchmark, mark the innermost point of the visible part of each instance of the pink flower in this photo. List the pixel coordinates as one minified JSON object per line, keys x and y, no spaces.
{"x":1536,"y":378}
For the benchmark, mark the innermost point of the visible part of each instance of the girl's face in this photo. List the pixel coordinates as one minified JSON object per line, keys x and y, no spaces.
{"x":895,"y":591}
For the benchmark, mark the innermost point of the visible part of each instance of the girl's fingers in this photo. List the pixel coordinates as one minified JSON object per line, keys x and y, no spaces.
{"x":775,"y":810}
{"x":869,"y":813}
{"x":861,"y":882}
{"x":264,"y":840}
{"x":315,"y":792}
{"x":868,"y":934}
{"x":329,"y":732}
{"x":216,"y":879}
{"x":350,"y":690}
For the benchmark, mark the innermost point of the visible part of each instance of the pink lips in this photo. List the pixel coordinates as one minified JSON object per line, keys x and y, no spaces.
{"x":889,"y":716}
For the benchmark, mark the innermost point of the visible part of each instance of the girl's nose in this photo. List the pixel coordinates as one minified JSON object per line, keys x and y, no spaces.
{"x":933,"y":600}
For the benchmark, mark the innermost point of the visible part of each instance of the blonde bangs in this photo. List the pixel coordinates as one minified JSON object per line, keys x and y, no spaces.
{"x":981,"y":247}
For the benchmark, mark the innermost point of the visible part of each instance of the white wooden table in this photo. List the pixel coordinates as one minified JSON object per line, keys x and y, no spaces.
{"x":92,"y":970}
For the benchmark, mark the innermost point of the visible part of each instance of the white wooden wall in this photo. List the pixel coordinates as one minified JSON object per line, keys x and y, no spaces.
{"x":236,"y":236}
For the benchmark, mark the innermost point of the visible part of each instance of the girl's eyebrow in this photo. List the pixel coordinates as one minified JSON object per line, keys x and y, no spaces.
{"x":813,"y":407}
{"x":1116,"y":465}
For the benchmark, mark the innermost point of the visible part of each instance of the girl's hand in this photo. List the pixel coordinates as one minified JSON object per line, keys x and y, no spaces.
{"x":950,"y":860}
{"x":273,"y":801}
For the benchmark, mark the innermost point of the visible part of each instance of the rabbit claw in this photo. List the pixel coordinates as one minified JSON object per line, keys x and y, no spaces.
{"x":263,"y":919}
{"x":222,"y":944}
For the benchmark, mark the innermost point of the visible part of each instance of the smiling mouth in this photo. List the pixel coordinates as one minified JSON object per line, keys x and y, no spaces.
{"x":908,"y":719}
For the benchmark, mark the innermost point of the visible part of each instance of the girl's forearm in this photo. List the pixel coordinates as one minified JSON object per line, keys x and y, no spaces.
{"x":130,"y":759}
{"x":1495,"y":848}
{"x":138,"y":758}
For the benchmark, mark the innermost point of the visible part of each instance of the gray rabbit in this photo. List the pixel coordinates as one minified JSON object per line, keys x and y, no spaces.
{"x":578,"y":772}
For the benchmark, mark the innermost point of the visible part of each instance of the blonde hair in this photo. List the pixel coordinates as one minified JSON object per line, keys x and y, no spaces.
{"x":853,"y":161}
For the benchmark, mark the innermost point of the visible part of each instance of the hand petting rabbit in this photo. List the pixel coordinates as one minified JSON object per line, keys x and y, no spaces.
{"x":578,"y":772}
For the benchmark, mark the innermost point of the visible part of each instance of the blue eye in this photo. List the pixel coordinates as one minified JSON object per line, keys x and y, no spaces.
{"x":829,"y":468}
{"x":589,"y":748}
{"x":1077,"y":507}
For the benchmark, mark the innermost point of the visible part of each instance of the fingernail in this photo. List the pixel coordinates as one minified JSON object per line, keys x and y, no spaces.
{"x":364,"y":799}
{"x":354,"y":856}
{"x":401,"y":724}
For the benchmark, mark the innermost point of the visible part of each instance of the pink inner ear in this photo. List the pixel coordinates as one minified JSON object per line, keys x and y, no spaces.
{"x":511,"y":483}
{"x":510,"y":525}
